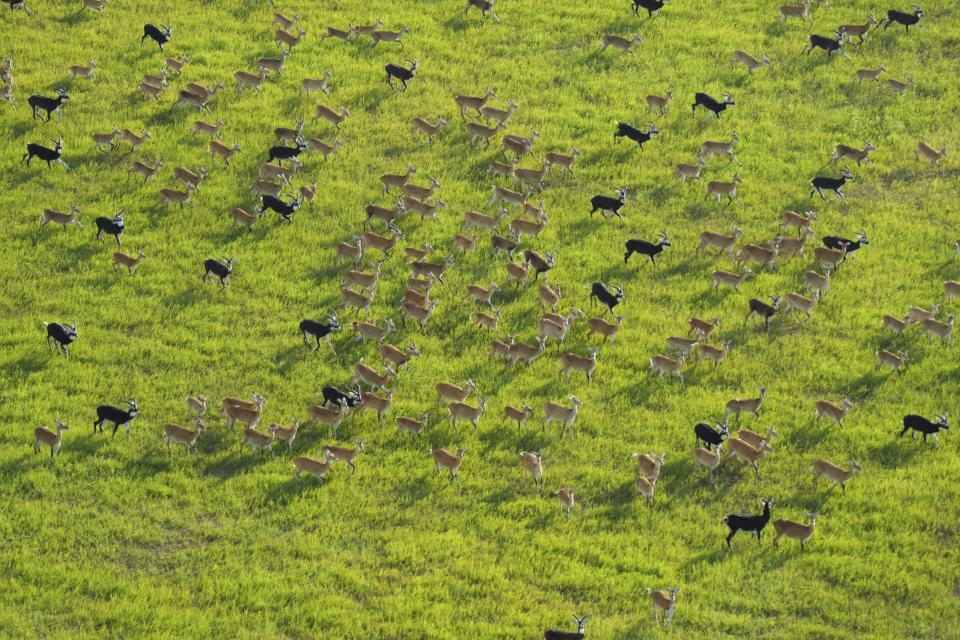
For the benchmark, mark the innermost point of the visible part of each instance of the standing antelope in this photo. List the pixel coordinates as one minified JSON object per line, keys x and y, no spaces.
{"x":708,"y":459}
{"x":566,"y":416}
{"x":795,"y":530}
{"x":659,"y":103}
{"x":665,"y":601}
{"x":567,"y":500}
{"x":665,"y":365}
{"x":749,"y":454}
{"x":572,"y":362}
{"x":121,"y":259}
{"x":827,"y":409}
{"x":443,"y":459}
{"x":518,"y":415}
{"x":312,"y":466}
{"x":745,"y":405}
{"x":711,"y":352}
{"x":463,"y":411}
{"x":719,"y":189}
{"x":43,"y":436}
{"x":175,"y":434}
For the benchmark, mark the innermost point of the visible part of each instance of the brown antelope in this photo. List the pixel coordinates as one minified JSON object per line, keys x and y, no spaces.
{"x":413,"y":425}
{"x":712,"y":148}
{"x":486,"y":320}
{"x":899,"y":86}
{"x":415,"y":297}
{"x":196,"y":405}
{"x":427,"y":269}
{"x":646,"y":487}
{"x":794,"y":302}
{"x":484,"y":295}
{"x":476,"y":219}
{"x":202,"y":126}
{"x":518,"y":145}
{"x":95,"y":5}
{"x":682,"y":346}
{"x":859,"y":30}
{"x":366,"y":30}
{"x":495,"y":113}
{"x":648,"y":464}
{"x":357,"y":300}
{"x":951,"y":289}
{"x":330,"y":115}
{"x":284,"y":435}
{"x":666,"y":602}
{"x":549,"y":329}
{"x":242,"y":414}
{"x":258,"y":401}
{"x":174,"y":196}
{"x":684,"y":171}
{"x":708,"y":458}
{"x":723,"y":278}
{"x":519,"y":416}
{"x":83,"y":71}
{"x":448,"y":392}
{"x":566,"y":416}
{"x":830,"y":471}
{"x":714,"y":353}
{"x":659,"y":103}
{"x":375,"y":403}
{"x":282,"y":37}
{"x":702,"y":328}
{"x":344,"y":454}
{"x":141,"y":168}
{"x":148,"y":90}
{"x":928,"y":152}
{"x":531,"y":177}
{"x":312,"y":466}
{"x":384,"y":244}
{"x":482,"y":132}
{"x":571,"y":362}
{"x":333,"y":32}
{"x":418,"y":314}
{"x":429,"y":129}
{"x":332,"y":418}
{"x":370,"y":331}
{"x":764,"y":256}
{"x":795,"y":10}
{"x":190,"y":99}
{"x":788,"y":246}
{"x":602,"y":327}
{"x":870,"y":74}
{"x":896,"y":324}
{"x":549,"y":296}
{"x":830,"y":259}
{"x":418,"y":253}
{"x":498,"y":168}
{"x":317,"y":84}
{"x":896,"y":361}
{"x":564,"y":161}
{"x":203,"y":92}
{"x":422,"y":285}
{"x":421,"y":208}
{"x":747,"y":60}
{"x":284,"y":21}
{"x":720,"y":241}
{"x":526,"y":352}
{"x":567,"y":500}
{"x":274,"y":65}
{"x":533,"y":464}
{"x":352,"y":252}
{"x":126,"y":135}
{"x":473,"y":103}
{"x":257,"y":440}
{"x":244,"y":219}
{"x":745,"y":405}
{"x":44,"y":436}
{"x":619,"y":42}
{"x":400,"y":358}
{"x":794,"y":530}
{"x":517,"y":274}
{"x":937,"y":329}
{"x":852,"y":153}
{"x":225,"y":152}
{"x":62,"y":219}
{"x":463,"y":411}
{"x":919,"y":314}
{"x":190,"y":179}
{"x":504,"y":244}
{"x":719,"y":189}
{"x":827,"y":409}
{"x":121,"y":259}
{"x":816,"y":283}
{"x":361,"y":279}
{"x":749,"y":454}
{"x":101,"y":140}
{"x":501,"y":349}
{"x":308,"y":192}
{"x":176,"y":64}
{"x":443,"y":459}
{"x":380,"y":35}
{"x":519,"y":226}
{"x":799,"y":221}
{"x":661,"y":365}
{"x":247,"y":80}
{"x":754,"y":439}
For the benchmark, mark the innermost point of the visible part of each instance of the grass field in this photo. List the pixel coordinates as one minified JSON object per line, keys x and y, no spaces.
{"x":119,"y":539}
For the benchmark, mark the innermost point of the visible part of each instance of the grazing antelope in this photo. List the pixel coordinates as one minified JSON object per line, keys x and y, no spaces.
{"x":202,"y":126}
{"x":794,"y":302}
{"x":225,"y":152}
{"x":413,"y":425}
{"x":443,"y":459}
{"x":665,"y":601}
{"x":62,"y":219}
{"x":928,"y":152}
{"x":683,"y":171}
{"x":937,"y":329}
{"x":749,"y":454}
{"x":619,"y":42}
{"x":344,"y":454}
{"x":745,"y":405}
{"x":463,"y":411}
{"x":312,"y":466}
{"x":899,"y":86}
{"x":518,"y":415}
{"x":317,"y":84}
{"x":567,"y":500}
{"x":83,"y":71}
{"x":473,"y":103}
{"x":429,"y":129}
{"x":378,"y":404}
{"x":659,"y":103}
{"x":44,"y":436}
{"x":852,"y":153}
{"x":747,"y":60}
{"x":729,"y":279}
{"x":719,"y":189}
{"x":196,"y":405}
{"x":714,"y":353}
{"x":143,"y":169}
{"x":833,"y":473}
{"x":708,"y":459}
{"x":661,"y":365}
{"x":175,"y":434}
{"x":371,"y":331}
{"x":330,"y":115}
{"x":121,"y":259}
{"x":827,"y":409}
{"x":332,"y":418}
{"x":487,"y":321}
{"x":566,"y":416}
{"x":702,"y":328}
{"x":564,"y":161}
{"x":572,"y":362}
{"x":533,"y":464}
{"x":602,"y":327}
{"x":258,"y":440}
{"x":247,"y":80}
{"x":795,"y":530}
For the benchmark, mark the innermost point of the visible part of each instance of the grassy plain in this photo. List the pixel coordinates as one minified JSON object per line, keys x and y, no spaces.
{"x":119,"y":539}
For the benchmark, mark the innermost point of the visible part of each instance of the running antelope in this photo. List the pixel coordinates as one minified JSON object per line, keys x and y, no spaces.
{"x":830,"y":259}
{"x":417,"y":313}
{"x":659,"y":103}
{"x":62,"y":219}
{"x":747,"y":60}
{"x":525,"y":352}
{"x":702,"y":328}
{"x":564,"y":161}
{"x":601,"y":327}
{"x":368,"y":375}
{"x":919,"y":314}
{"x":619,"y":42}
{"x":225,"y":152}
{"x":312,"y":466}
{"x":196,"y":405}
{"x":344,"y":454}
{"x":352,"y":252}
{"x":852,"y":153}
{"x":729,"y":279}
{"x":712,"y":148}
{"x":661,"y":365}
{"x":720,"y":241}
{"x":684,"y":171}
{"x":716,"y":354}
{"x":101,"y":140}
{"x":646,"y":488}
{"x":870,"y":74}
{"x":533,"y":464}
{"x":719,"y":189}
{"x":833,"y":473}
{"x":764,"y":256}
{"x":143,"y":169}
{"x":896,"y":361}
{"x":429,"y":129}
{"x":749,"y":454}
{"x":567,"y":500}
{"x":243,"y":218}
{"x":827,"y":409}
{"x":486,"y":320}
{"x":482,"y":132}
{"x":473,"y":103}
{"x":754,"y":439}
{"x":928,"y":152}
{"x":364,"y":280}
{"x":413,"y":425}
{"x":400,"y":358}
{"x":896,"y":324}
{"x":480,"y":294}
{"x":710,"y":459}
{"x":317,"y":84}
{"x":649,"y":464}
{"x":378,"y":404}
{"x":83,"y":71}
{"x":550,"y":296}
{"x":799,"y":221}
{"x":357,"y":300}
{"x":519,"y":416}
{"x":330,"y":115}
{"x":257,"y":440}
{"x":936,"y":329}
{"x":794,"y":302}
{"x":371,"y":331}
{"x":121,"y":259}
{"x":330,"y":417}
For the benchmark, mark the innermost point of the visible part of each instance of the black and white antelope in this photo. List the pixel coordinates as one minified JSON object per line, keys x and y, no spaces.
{"x":222,"y":270}
{"x":828,"y":44}
{"x":110,"y":226}
{"x":607,"y":205}
{"x":119,"y":417}
{"x":402,"y":74}
{"x":45,"y":154}
{"x":42,"y":103}
{"x":284,"y":209}
{"x":750,"y":523}
{"x":901,"y":17}
{"x":608,"y":298}
{"x":645,"y":248}
{"x":709,"y":436}
{"x":639,"y":136}
{"x":915,"y":424}
{"x":61,"y":335}
{"x":553,"y":634}
{"x":711,"y":104}
{"x":318,"y":330}
{"x":838,"y":242}
{"x":821,"y":183}
{"x":652,"y":6}
{"x":280,"y":152}
{"x":160,"y":35}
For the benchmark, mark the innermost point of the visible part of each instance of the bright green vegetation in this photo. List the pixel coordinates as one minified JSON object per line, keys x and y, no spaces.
{"x":120,"y":539}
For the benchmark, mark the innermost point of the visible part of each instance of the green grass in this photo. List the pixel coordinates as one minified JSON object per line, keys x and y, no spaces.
{"x":119,"y":539}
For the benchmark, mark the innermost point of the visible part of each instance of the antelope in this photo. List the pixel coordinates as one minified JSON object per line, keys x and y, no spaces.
{"x":550,"y":329}
{"x":478,"y":131}
{"x":81,"y":71}
{"x":573,"y":362}
{"x":719,"y":241}
{"x":202,"y":126}
{"x":619,"y":42}
{"x":507,"y":195}
{"x":504,"y":244}
{"x":601,"y":327}
{"x":749,"y":454}
{"x":646,"y":487}
{"x":918,"y":314}
{"x":312,"y":466}
{"x":149,"y":90}
{"x":896,"y":324}
{"x":143,"y":169}
{"x":330,"y":115}
{"x":661,"y":365}
{"x":370,"y":331}
{"x":816,"y":283}
{"x":745,"y":405}
{"x":665,"y":601}
{"x":487,"y":321}
{"x":284,"y":21}
{"x":523,"y":351}
{"x":852,"y":153}
{"x":533,"y":464}
{"x":345,"y":454}
{"x":421,"y":208}
{"x":567,"y":500}
{"x":377,"y":404}
{"x":202,"y":92}
{"x":765,"y":256}
{"x":480,"y":294}
{"x":830,"y":259}
{"x":899,"y":86}
{"x":937,"y":329}
{"x":175,"y":434}
{"x":413,"y":425}
{"x":244,"y":415}
{"x":530,"y":177}
{"x":701,"y":327}
{"x":360,"y":301}
{"x":274,"y":65}
{"x":44,"y":436}
{"x":500,"y":349}
{"x":464,"y":242}
{"x":416,"y":298}
{"x":648,"y":464}
{"x":682,"y":346}
{"x":795,"y":530}
{"x":126,"y":135}
{"x":660,"y":103}
{"x":429,"y":129}
{"x":257,"y":440}
{"x":173,"y":196}
{"x":366,"y":30}
{"x":282,"y":37}
{"x":473,"y":103}
{"x":101,"y":140}
{"x":564,"y":161}
{"x":747,"y":60}
{"x":121,"y":259}
{"x":549,"y":296}
{"x":379,"y":36}
{"x":62,"y":219}
{"x":788,"y":246}
{"x":176,"y":64}
{"x":398,"y":357}
{"x":518,"y":145}
{"x":498,"y":168}
{"x":683,"y":171}
{"x":427,"y":269}
{"x":95,"y":5}
{"x":794,"y":302}
{"x":951,"y":289}
{"x":566,"y":416}
{"x":443,"y":459}
{"x":256,"y":404}
{"x":217,"y":148}
{"x":317,"y":84}
{"x":495,"y":113}
{"x":720,"y":189}
{"x":859,"y":30}
{"x":480,"y":220}
{"x":244,"y":219}
{"x":247,"y":80}
{"x":420,"y":284}
{"x":190,"y":179}
{"x":928,"y":152}
{"x":462,"y":411}
{"x":712,"y":148}
{"x":707,"y":458}
{"x":418,"y":253}
{"x":308,"y":192}
{"x":827,"y":409}
{"x":347,"y":251}
{"x":333,"y":32}
{"x":711,"y":352}
{"x":520,"y":226}
{"x":830,"y":471}
{"x":362,"y":279}
{"x":196,"y":405}
{"x":730,"y":279}
{"x":800,"y":221}
{"x":754,"y":439}
{"x":333,"y":418}
{"x":870,"y":74}
{"x":519,"y":416}
{"x":384,"y":244}
{"x":795,"y":10}
{"x":417,"y":313}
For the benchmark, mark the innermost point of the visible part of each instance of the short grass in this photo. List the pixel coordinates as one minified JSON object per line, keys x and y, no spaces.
{"x":120,"y":539}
